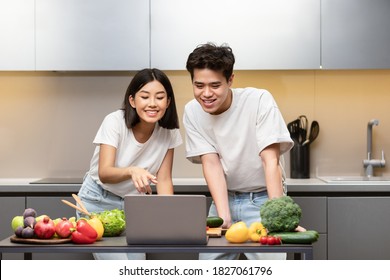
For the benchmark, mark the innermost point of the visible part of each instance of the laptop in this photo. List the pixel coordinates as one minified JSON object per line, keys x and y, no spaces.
{"x":166,"y":219}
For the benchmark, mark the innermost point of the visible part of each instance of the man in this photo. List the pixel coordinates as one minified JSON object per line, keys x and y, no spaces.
{"x":238,"y":135}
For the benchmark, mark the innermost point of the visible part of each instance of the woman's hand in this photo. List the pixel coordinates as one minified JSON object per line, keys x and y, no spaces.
{"x":142,"y":179}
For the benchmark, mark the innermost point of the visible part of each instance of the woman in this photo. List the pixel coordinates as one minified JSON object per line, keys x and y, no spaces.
{"x":134,"y":148}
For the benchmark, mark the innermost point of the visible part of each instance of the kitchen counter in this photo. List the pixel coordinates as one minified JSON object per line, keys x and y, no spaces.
{"x":314,"y":186}
{"x":118,"y":244}
{"x":326,"y":207}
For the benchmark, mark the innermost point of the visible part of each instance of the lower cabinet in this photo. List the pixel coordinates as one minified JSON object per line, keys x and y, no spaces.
{"x":314,"y":217}
{"x":358,"y":228}
{"x":10,"y":207}
{"x":350,"y":228}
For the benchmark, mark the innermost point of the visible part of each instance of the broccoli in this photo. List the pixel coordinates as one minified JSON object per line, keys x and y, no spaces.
{"x":280,"y":214}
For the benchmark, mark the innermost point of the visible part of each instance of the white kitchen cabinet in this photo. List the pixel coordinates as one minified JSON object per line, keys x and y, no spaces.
{"x":355,"y":34}
{"x":17,"y":50}
{"x":92,"y":35}
{"x":263,"y":34}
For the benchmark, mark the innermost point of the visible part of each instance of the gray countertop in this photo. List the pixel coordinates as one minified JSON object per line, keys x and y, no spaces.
{"x":309,"y":186}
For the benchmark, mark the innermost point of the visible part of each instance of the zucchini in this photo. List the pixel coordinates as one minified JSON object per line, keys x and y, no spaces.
{"x":305,"y":237}
{"x":214,"y":221}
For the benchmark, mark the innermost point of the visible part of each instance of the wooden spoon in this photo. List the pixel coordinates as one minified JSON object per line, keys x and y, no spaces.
{"x":76,"y":207}
{"x":78,"y":200}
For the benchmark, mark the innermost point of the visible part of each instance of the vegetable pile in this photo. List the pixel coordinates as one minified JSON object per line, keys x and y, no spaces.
{"x":279,"y":219}
{"x":113,"y":222}
{"x":280,"y":214}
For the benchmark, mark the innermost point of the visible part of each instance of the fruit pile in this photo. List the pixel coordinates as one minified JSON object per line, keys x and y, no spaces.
{"x":82,"y":231}
{"x":23,"y":226}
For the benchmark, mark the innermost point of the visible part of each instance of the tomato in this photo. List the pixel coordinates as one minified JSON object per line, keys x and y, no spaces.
{"x":263,"y":240}
{"x":271,"y":240}
{"x":278,"y":240}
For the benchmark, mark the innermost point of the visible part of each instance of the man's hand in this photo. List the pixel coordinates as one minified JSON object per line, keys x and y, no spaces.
{"x":300,"y":229}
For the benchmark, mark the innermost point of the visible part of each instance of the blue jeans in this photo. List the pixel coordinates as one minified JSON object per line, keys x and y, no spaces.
{"x":243,"y":207}
{"x":96,"y":199}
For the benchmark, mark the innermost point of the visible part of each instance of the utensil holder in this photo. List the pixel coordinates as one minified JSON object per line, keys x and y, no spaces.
{"x":300,"y":161}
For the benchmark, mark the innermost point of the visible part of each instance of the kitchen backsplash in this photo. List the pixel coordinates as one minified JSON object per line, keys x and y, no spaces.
{"x":49,"y":119}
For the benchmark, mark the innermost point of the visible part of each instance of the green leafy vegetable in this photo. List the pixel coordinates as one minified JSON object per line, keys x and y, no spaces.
{"x":280,"y":214}
{"x":113,"y":222}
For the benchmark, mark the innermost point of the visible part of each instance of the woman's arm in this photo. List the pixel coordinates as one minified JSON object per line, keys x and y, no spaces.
{"x":108,"y":173}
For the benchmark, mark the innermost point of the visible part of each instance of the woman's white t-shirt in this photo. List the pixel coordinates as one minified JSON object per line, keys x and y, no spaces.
{"x":238,"y":135}
{"x":129,"y":152}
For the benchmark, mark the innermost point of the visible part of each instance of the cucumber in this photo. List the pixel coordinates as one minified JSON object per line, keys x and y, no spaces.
{"x":305,"y":237}
{"x":214,"y":221}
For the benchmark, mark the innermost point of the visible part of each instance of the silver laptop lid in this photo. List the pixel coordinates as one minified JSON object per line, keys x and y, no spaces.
{"x":166,"y":219}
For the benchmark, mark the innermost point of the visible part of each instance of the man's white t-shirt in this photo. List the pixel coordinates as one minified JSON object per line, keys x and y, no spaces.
{"x":149,"y":155}
{"x":238,"y":135}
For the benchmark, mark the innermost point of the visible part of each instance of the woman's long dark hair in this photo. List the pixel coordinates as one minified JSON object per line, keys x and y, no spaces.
{"x":170,"y":119}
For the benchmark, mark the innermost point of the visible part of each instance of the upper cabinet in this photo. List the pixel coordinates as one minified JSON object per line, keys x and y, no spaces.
{"x":263,"y":34}
{"x":104,"y":35}
{"x":92,"y":35}
{"x":17,"y":49}
{"x":355,"y":34}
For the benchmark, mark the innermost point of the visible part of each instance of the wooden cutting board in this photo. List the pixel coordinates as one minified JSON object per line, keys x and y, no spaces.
{"x":16,"y":239}
{"x":216,"y":232}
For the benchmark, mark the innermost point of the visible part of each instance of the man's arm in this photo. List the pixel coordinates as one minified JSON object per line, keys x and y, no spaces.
{"x":273,"y":175}
{"x":213,"y":173}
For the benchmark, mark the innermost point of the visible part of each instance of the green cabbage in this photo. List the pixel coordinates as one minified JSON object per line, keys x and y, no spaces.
{"x":113,"y":222}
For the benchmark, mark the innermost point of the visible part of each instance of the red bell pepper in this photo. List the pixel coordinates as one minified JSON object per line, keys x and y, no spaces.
{"x":84,"y":233}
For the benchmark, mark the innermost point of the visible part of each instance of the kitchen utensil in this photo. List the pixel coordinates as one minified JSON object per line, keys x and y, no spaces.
{"x":78,"y":200}
{"x":216,"y":232}
{"x":293,"y":128}
{"x":76,"y":207}
{"x":303,"y":126}
{"x":314,"y":131}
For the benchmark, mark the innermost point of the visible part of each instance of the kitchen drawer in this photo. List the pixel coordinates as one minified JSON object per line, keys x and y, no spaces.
{"x":314,"y":212}
{"x":10,"y":207}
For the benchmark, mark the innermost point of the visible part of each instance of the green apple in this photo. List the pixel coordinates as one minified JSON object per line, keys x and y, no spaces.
{"x":17,"y":221}
{"x":40,"y":218}
{"x":56,"y":221}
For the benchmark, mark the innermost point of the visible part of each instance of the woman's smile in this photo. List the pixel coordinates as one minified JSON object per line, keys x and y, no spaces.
{"x":150,"y":102}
